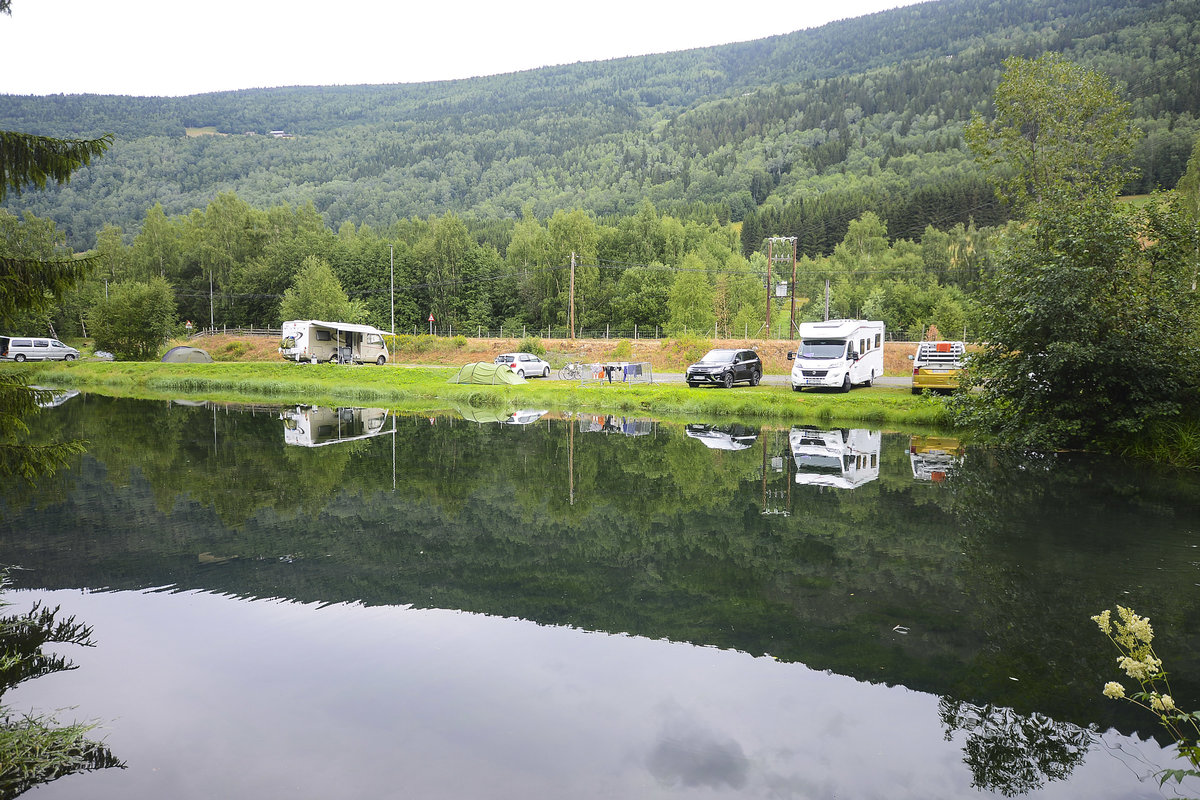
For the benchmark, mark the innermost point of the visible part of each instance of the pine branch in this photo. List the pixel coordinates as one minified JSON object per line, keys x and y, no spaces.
{"x":29,"y":159}
{"x":33,"y":284}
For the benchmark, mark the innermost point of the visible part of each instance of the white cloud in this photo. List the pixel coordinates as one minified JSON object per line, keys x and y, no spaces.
{"x":149,"y":47}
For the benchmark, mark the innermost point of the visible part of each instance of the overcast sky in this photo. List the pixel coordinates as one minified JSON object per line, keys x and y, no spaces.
{"x":168,"y":47}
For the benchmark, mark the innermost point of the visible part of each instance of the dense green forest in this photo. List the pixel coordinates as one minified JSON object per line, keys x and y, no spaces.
{"x":651,"y":170}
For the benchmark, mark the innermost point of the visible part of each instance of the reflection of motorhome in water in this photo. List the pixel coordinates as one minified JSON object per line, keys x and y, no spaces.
{"x":336,"y":342}
{"x":842,"y":459}
{"x":934,"y":458}
{"x":314,"y":426}
{"x":838,"y":354}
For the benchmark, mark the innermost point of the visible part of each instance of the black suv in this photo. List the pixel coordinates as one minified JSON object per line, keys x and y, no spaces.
{"x":725,"y":367}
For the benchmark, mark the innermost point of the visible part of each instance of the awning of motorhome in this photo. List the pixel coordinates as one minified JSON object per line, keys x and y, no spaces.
{"x":484,"y":372}
{"x":185,"y":354}
{"x":347,"y":326}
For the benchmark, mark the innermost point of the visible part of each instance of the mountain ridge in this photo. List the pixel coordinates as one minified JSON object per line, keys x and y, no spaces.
{"x":871,"y":105}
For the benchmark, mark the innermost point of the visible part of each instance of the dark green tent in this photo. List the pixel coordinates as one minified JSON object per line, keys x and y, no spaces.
{"x":186,"y":355}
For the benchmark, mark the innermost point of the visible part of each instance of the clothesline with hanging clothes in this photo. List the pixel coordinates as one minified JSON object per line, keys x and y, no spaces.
{"x":622,"y":371}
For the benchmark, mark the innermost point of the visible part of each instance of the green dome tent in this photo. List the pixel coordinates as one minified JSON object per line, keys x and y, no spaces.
{"x":189,"y":355}
{"x":483,"y":372}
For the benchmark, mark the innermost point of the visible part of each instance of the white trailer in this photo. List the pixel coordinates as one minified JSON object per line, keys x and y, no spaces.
{"x":838,"y":354}
{"x":839,"y":459}
{"x":311,"y":340}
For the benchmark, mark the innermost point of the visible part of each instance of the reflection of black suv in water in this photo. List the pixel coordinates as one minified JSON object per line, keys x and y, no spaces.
{"x":725,"y":367}
{"x":723,"y":437}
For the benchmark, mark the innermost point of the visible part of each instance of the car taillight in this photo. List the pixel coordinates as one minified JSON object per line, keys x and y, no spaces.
{"x":916,"y":371}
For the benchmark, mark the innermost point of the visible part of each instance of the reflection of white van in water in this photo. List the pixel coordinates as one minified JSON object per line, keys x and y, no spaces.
{"x":838,"y":354}
{"x":336,"y":342}
{"x":842,"y":459}
{"x":35,"y":348}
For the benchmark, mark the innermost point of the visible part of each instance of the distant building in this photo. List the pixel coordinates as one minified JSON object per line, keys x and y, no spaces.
{"x":281,"y":134}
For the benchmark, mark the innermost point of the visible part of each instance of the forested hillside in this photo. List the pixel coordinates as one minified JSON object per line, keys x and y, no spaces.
{"x":863,"y":114}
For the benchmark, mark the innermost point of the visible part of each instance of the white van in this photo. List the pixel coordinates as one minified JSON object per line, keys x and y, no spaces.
{"x":32,"y":348}
{"x":838,"y":354}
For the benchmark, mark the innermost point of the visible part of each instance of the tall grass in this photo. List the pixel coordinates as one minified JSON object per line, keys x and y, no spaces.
{"x":1175,"y":442}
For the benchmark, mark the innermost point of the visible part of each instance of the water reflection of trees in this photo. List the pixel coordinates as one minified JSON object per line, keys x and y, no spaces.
{"x":36,"y":749}
{"x":994,"y":571}
{"x":1012,"y":753}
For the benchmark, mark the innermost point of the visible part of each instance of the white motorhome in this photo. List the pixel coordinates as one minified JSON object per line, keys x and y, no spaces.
{"x":311,"y":340}
{"x":838,"y":354}
{"x":840,"y":459}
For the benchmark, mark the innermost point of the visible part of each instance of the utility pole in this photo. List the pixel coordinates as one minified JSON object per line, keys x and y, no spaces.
{"x":827,"y":299}
{"x":782,"y":258}
{"x":392,"y":260}
{"x":793,"y":321}
{"x":572,"y":295}
{"x":770,"y":264}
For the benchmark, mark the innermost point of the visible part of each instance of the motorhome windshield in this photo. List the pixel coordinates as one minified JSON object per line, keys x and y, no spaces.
{"x":822,"y":348}
{"x":819,"y":465}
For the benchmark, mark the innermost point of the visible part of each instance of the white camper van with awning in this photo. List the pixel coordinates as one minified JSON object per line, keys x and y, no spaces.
{"x":311,"y":340}
{"x":838,"y":354}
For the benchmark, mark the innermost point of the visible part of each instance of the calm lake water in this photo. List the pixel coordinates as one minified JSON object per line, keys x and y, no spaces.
{"x":315,"y":603}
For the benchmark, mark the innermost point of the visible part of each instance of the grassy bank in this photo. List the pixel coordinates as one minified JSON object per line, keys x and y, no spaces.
{"x":426,"y":389}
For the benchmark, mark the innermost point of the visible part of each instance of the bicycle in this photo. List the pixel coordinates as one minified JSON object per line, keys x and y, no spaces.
{"x":571,"y":372}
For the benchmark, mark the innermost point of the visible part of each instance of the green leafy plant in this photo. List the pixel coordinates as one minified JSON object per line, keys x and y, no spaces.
{"x":687,"y":349}
{"x":531,"y":345}
{"x":1133,"y":635}
{"x":232,"y":351}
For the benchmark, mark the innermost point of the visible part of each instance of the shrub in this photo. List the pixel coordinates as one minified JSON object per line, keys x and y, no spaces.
{"x":531,"y":345}
{"x":622,"y":351}
{"x":230,"y":351}
{"x":687,"y":349}
{"x":459,"y":341}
